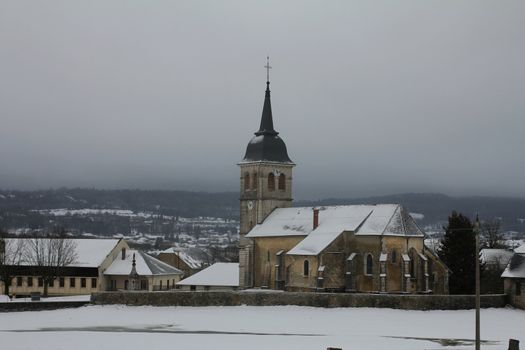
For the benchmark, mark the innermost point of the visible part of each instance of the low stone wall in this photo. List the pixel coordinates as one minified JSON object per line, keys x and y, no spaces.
{"x":267,"y":298}
{"x":40,"y":305}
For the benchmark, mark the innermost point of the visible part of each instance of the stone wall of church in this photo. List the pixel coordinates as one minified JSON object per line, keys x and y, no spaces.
{"x":265,"y":259}
{"x":334,"y":259}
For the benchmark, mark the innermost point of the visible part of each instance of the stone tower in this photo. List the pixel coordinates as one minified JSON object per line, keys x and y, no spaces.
{"x":266,"y":184}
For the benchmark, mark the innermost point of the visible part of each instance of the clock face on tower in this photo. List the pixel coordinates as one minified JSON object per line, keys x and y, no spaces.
{"x":250,"y":205}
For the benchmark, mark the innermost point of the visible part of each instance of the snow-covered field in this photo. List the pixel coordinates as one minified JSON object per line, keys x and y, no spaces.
{"x":254,"y":328}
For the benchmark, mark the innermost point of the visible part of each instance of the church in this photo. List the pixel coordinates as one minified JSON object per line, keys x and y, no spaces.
{"x":349,"y":248}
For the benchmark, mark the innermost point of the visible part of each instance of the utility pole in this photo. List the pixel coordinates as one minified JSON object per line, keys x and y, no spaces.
{"x":476,"y":232}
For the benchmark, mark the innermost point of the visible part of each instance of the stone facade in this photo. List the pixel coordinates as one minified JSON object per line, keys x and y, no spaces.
{"x":329,"y":300}
{"x":342,"y":266}
{"x":264,"y":187}
{"x":515,"y":289}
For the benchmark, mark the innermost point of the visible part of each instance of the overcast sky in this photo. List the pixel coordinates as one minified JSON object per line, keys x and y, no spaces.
{"x":370,"y":97}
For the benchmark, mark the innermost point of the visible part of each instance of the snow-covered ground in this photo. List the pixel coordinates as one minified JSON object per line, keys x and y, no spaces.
{"x":254,"y":328}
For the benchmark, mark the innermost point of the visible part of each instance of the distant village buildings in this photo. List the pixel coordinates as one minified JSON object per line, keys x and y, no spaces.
{"x":355,"y":248}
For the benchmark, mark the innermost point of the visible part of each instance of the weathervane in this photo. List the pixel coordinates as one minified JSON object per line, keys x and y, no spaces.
{"x":268,"y":67}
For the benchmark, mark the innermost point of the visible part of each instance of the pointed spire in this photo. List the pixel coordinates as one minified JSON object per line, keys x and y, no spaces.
{"x":133,"y":272}
{"x":266,"y":127}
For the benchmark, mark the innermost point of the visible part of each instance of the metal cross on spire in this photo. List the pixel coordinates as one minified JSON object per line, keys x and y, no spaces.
{"x":268,"y":67}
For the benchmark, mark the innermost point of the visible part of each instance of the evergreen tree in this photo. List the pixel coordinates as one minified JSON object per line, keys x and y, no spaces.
{"x":458,"y":252}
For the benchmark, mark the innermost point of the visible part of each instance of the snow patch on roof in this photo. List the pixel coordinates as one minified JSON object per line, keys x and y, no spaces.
{"x":516,"y":267}
{"x":90,"y":252}
{"x":218,"y":274}
{"x":145,"y":265}
{"x":500,"y":257}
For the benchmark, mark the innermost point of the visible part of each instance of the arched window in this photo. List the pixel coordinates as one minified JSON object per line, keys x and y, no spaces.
{"x":306,"y":268}
{"x":369,"y":264}
{"x":394,"y":256}
{"x":246,"y":181}
{"x":271,"y":182}
{"x":254,"y":181}
{"x":282,"y":182}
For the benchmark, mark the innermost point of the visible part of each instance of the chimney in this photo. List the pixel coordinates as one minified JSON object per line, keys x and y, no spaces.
{"x":123,"y":253}
{"x":316,"y":218}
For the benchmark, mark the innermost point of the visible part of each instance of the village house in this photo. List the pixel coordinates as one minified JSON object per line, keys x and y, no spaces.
{"x":188,"y":260}
{"x":136,"y":270}
{"x":351,"y":248}
{"x":100,"y":265}
{"x":514,"y":278}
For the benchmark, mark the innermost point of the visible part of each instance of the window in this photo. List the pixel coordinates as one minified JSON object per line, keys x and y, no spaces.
{"x":82,"y":282}
{"x":246,"y":181}
{"x":160,"y":285}
{"x":72,"y":281}
{"x":126,"y":284}
{"x":271,"y":182}
{"x":394,"y":256}
{"x":254,"y":181}
{"x":282,"y":182}
{"x":168,"y":284}
{"x":40,"y":282}
{"x":369,"y":264}
{"x":193,"y":288}
{"x":30,"y":281}
{"x":518,"y":287}
{"x":52,"y":283}
{"x":93,"y":283}
{"x":19,"y":281}
{"x":306,"y":268}
{"x":61,"y":282}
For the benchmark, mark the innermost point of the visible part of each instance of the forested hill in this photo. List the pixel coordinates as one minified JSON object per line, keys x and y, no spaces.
{"x":434,"y":207}
{"x":174,"y":203}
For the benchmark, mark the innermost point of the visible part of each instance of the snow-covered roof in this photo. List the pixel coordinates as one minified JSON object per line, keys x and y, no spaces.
{"x":380,"y":219}
{"x":218,"y":274}
{"x":516,"y":265}
{"x":499,"y":257}
{"x":90,"y":252}
{"x":195,"y":258}
{"x":145,"y":264}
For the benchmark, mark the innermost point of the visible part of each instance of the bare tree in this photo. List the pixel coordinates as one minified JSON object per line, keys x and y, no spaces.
{"x":491,"y":235}
{"x":11,"y":255}
{"x":50,"y":256}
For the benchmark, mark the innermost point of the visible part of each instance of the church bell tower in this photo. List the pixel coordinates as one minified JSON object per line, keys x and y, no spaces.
{"x":266,"y":183}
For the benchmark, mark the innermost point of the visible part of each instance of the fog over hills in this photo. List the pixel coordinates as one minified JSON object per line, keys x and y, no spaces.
{"x":18,"y":208}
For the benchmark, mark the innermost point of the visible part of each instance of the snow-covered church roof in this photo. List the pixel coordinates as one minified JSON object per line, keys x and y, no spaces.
{"x":218,"y":274}
{"x":146,"y":265}
{"x":375,"y":220}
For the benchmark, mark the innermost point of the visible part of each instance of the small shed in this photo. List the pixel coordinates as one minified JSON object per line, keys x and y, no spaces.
{"x":219,"y":276}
